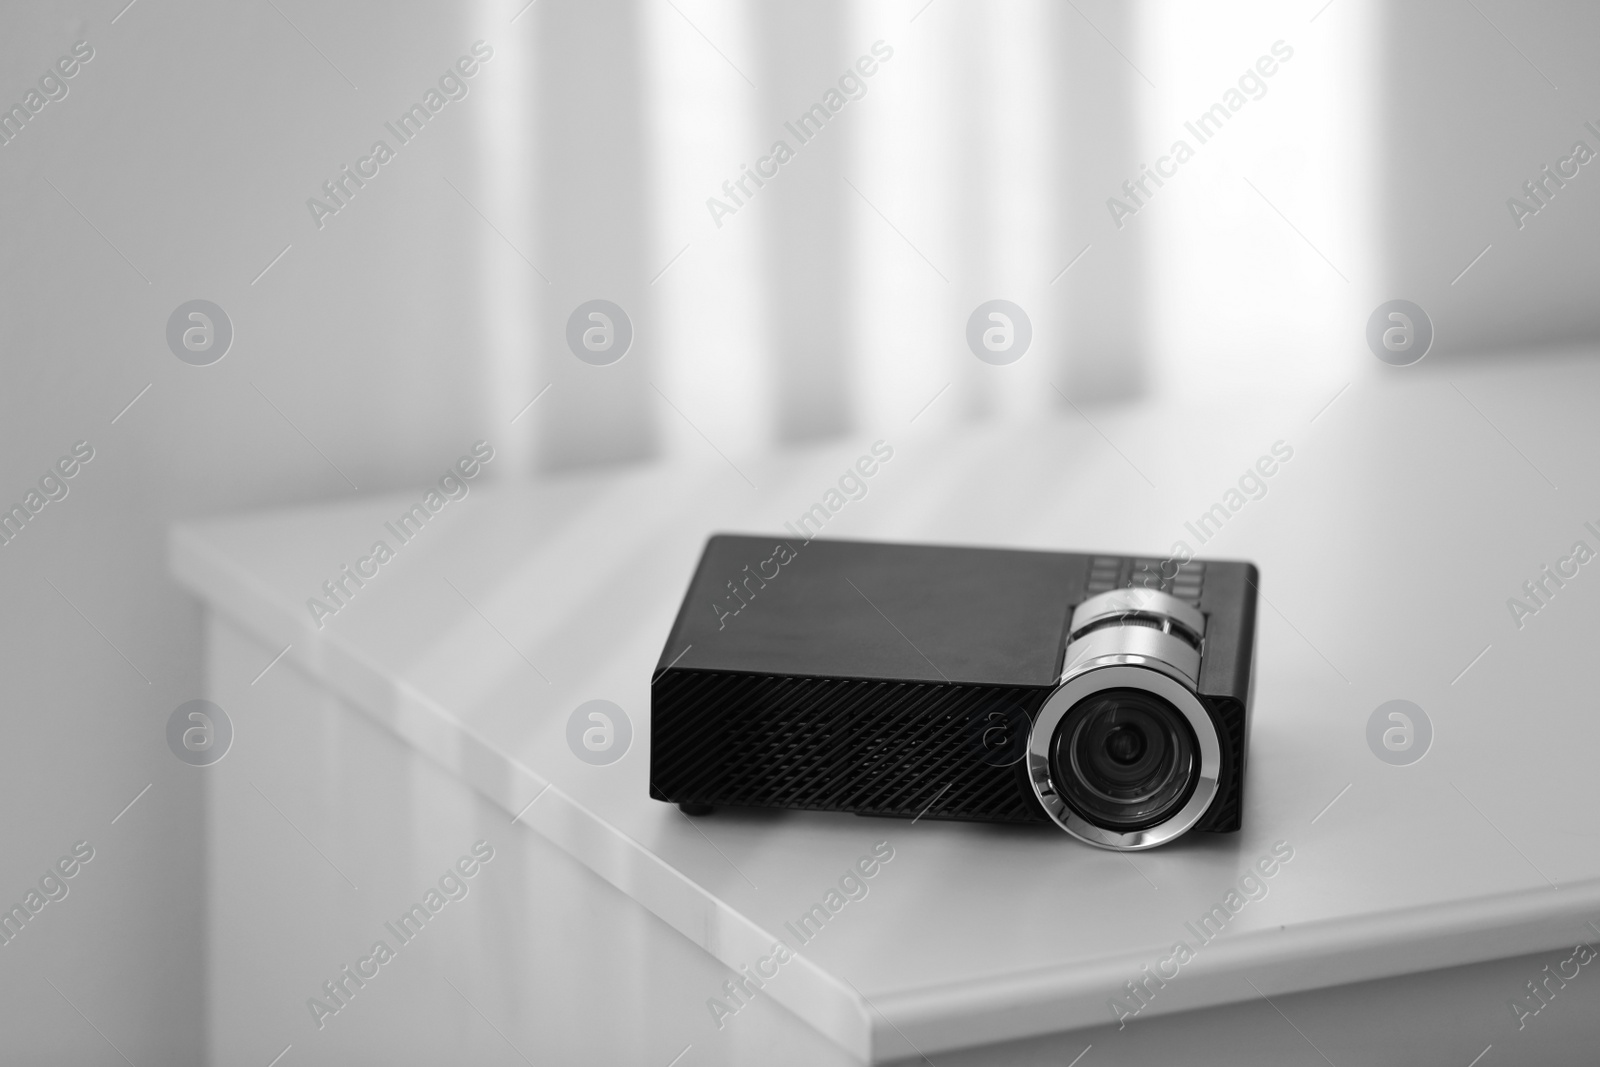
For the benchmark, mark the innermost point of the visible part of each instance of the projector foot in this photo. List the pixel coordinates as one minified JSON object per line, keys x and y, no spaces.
{"x":690,"y":807}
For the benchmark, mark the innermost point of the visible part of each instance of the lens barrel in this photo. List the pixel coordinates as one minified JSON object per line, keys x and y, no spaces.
{"x":1123,"y":754}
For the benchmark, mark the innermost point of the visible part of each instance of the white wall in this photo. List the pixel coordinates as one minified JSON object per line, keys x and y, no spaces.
{"x":189,"y":144}
{"x":1477,"y":100}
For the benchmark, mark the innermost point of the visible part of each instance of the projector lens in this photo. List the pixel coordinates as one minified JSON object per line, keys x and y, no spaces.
{"x":1125,"y":759}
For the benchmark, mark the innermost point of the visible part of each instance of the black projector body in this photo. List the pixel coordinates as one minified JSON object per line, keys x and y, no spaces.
{"x":1109,"y":695}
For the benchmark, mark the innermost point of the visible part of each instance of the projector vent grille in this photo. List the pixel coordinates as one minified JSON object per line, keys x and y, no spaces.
{"x":874,"y":748}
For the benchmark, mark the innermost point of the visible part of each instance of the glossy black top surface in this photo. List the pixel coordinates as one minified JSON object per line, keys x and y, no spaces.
{"x":848,"y":609}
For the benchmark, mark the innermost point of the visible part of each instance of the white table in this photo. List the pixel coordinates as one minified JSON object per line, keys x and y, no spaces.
{"x":433,"y":709}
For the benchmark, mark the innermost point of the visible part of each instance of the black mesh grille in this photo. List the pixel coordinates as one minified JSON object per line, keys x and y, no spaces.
{"x":1226,"y":810}
{"x":874,"y":748}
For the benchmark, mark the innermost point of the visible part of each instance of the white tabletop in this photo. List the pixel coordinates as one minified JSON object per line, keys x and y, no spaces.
{"x":1411,"y":509}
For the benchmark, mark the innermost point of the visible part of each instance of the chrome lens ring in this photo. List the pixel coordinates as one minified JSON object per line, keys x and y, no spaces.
{"x":1125,"y":671}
